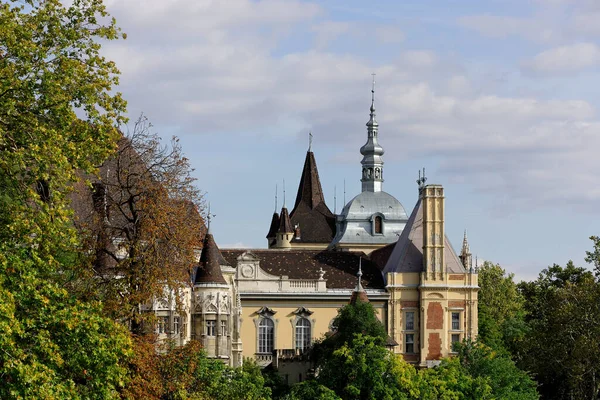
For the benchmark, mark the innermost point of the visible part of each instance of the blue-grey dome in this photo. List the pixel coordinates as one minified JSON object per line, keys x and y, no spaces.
{"x":366,"y":204}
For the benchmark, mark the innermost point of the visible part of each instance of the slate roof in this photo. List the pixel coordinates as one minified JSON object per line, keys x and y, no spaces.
{"x":209,"y":268}
{"x":274,"y":226}
{"x":340,"y":266}
{"x":407,"y":255}
{"x":310,"y":213}
{"x":381,"y":255}
{"x":285,"y":226}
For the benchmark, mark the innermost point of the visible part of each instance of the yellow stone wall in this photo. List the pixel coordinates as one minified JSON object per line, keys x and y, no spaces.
{"x":324,"y":311}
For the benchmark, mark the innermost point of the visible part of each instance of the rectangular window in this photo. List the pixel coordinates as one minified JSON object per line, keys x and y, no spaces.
{"x":210,"y":328}
{"x":455,"y":321}
{"x":163,"y":325}
{"x":223,"y":328}
{"x":455,"y":338}
{"x":410,"y":321}
{"x":409,"y":343}
{"x":176,"y":324}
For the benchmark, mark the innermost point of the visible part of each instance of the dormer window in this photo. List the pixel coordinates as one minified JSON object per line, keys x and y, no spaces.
{"x":378,"y":225}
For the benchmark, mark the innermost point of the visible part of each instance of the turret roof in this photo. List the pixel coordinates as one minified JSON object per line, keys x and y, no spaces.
{"x":209,"y":268}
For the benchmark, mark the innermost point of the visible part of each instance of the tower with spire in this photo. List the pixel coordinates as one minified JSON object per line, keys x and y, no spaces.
{"x":374,"y":218}
{"x":372,"y":162}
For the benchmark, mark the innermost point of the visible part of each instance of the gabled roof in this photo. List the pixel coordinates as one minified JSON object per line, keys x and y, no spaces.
{"x":209,"y":269}
{"x":310,"y":213}
{"x":407,"y":255}
{"x":340,"y":267}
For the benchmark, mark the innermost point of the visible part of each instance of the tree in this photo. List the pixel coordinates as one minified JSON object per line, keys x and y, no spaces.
{"x":505,"y":380}
{"x":563,"y":347}
{"x":58,"y":113}
{"x":501,"y":312}
{"x":311,"y":390}
{"x":142,"y":218}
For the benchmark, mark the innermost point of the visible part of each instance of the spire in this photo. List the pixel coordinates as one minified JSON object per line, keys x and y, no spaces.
{"x":274,"y":226}
{"x":309,"y":190}
{"x":209,"y":270}
{"x":359,"y":292}
{"x":372,"y":163}
{"x":465,"y":254}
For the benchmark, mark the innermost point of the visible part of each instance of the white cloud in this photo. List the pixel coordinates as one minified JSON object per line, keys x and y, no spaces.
{"x":218,"y":66}
{"x":564,"y":59}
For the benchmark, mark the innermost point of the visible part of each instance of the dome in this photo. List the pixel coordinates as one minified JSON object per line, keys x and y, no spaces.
{"x":363,"y":206}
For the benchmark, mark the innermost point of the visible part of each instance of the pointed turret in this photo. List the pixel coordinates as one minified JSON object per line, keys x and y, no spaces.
{"x":285,"y":231}
{"x":465,"y":254}
{"x":209,"y":269}
{"x":372,"y":163}
{"x":310,"y":212}
{"x":273,"y":228}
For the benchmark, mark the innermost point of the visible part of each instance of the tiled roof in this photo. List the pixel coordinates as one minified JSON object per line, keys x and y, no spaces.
{"x":285,"y":226}
{"x":274,"y":226}
{"x":407,"y":255}
{"x":310,"y":213}
{"x":381,"y":255}
{"x":340,"y":267}
{"x":209,"y":269}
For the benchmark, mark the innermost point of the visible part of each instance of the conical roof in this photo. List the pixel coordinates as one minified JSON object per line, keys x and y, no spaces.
{"x":285,"y":225}
{"x":407,"y":255}
{"x":309,"y":189}
{"x":274,"y":226}
{"x":209,"y":269}
{"x":310,"y":212}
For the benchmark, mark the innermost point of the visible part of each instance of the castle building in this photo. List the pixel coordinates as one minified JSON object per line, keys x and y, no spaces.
{"x":271,"y":304}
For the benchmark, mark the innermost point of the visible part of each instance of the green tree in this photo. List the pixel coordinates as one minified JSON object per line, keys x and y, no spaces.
{"x":563,"y":347}
{"x":501,"y":312}
{"x":505,"y":380}
{"x":58,"y":114}
{"x":311,"y":390}
{"x":449,"y":381}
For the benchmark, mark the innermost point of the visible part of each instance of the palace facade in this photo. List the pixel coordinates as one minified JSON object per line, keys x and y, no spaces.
{"x":271,"y":304}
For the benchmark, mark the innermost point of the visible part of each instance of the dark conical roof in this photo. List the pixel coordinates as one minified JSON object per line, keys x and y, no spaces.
{"x":309,"y":190}
{"x":209,"y":270}
{"x":310,"y":212}
{"x":274,"y":226}
{"x":285,"y":225}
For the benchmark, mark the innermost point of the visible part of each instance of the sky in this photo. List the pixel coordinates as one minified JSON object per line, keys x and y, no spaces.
{"x":497,"y":99}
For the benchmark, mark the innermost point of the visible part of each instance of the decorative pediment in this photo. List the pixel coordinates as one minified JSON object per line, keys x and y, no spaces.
{"x":248,"y":256}
{"x":266,"y":312}
{"x":303,"y":312}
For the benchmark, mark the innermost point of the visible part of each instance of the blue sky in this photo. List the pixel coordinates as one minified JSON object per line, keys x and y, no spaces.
{"x":497,"y":99}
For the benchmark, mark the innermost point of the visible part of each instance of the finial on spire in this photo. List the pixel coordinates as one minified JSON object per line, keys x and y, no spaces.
{"x":373,"y":94}
{"x":359,"y":287}
{"x":284,"y":192}
{"x":422,"y":179}
{"x":310,"y":136}
{"x":209,"y":217}
{"x":334,"y":199}
{"x":344,"y":192}
{"x":275,"y":198}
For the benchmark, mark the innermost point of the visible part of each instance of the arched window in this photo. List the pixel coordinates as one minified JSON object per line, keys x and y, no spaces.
{"x":302,"y":334}
{"x":378,"y":225}
{"x":265,"y":335}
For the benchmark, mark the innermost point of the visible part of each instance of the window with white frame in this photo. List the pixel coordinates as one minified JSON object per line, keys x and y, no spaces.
{"x":456,"y":321}
{"x":266,"y":329}
{"x":210,"y":327}
{"x":303,"y":334}
{"x":409,"y":324}
{"x":409,"y":343}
